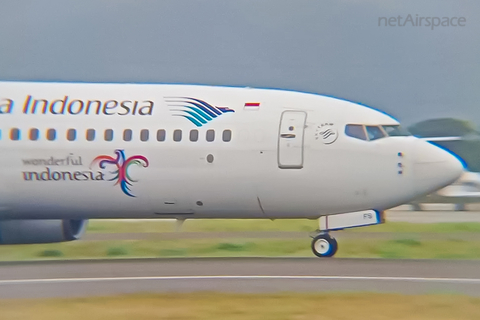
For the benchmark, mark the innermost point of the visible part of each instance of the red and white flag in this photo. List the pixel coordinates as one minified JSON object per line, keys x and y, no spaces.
{"x":252,"y":106}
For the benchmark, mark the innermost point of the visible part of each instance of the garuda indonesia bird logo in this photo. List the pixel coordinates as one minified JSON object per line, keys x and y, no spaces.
{"x":197,"y":111}
{"x":121,"y":165}
{"x":327,"y":132}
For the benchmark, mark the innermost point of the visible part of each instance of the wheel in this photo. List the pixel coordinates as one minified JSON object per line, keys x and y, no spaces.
{"x":323,"y":245}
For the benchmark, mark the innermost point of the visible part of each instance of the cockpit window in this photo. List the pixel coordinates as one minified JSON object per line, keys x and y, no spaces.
{"x":396,"y":131}
{"x":374,"y":133}
{"x":355,"y":131}
{"x":370,"y":133}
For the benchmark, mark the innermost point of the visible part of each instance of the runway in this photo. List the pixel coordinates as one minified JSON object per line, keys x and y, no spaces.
{"x":106,"y":277}
{"x":90,"y":278}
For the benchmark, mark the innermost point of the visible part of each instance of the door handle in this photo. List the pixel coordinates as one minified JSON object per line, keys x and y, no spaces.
{"x":287,"y":135}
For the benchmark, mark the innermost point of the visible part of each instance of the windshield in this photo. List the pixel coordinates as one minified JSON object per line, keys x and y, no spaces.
{"x":396,"y":131}
{"x":371,"y":132}
{"x":374,"y":133}
{"x":355,"y":131}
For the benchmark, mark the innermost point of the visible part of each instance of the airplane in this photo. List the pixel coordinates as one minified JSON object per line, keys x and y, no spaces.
{"x":71,"y":152}
{"x":464,"y":190}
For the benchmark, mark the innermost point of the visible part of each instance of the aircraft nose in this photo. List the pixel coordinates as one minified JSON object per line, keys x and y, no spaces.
{"x":434,"y":168}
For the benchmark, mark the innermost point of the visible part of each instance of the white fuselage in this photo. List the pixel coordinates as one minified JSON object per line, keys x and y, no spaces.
{"x":287,"y":157}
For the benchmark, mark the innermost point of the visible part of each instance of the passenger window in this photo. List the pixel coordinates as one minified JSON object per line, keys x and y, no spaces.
{"x":34,"y":133}
{"x":144,"y":135}
{"x":161,"y":135}
{"x":108,"y":136}
{"x":194,"y":135}
{"x":90,"y":134}
{"x":374,"y":133}
{"x":355,"y":131}
{"x":177,"y":135}
{"x":210,"y":135}
{"x":51,"y":134}
{"x":227,"y":135}
{"x":127,"y":135}
{"x":14,"y":134}
{"x":71,"y":134}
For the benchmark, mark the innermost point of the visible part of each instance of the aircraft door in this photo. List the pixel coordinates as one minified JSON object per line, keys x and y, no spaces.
{"x":290,"y":139}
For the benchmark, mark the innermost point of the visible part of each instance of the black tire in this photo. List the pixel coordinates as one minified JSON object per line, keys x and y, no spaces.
{"x":324,"y":246}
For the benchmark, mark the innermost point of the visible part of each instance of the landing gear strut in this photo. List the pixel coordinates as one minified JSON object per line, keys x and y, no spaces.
{"x":324,"y":245}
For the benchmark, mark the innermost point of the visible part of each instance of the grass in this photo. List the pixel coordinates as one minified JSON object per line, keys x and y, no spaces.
{"x":225,"y":306}
{"x":134,"y":226}
{"x":50,"y":253}
{"x":401,"y":248}
{"x":206,"y":225}
{"x":117,"y":251}
{"x":228,"y":246}
{"x":400,"y":245}
{"x":444,"y":227}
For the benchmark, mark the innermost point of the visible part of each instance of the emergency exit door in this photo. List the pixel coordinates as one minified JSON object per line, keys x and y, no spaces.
{"x":290,"y":139}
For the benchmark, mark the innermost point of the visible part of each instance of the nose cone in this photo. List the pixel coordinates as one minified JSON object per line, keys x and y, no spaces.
{"x":434,"y":168}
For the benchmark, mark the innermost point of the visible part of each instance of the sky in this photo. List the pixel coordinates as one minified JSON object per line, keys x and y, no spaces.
{"x":336,"y":48}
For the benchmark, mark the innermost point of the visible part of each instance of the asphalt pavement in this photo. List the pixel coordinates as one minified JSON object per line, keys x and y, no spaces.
{"x":92,"y":278}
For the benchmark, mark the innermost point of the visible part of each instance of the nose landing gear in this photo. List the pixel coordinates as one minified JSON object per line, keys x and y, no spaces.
{"x":324,"y":245}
